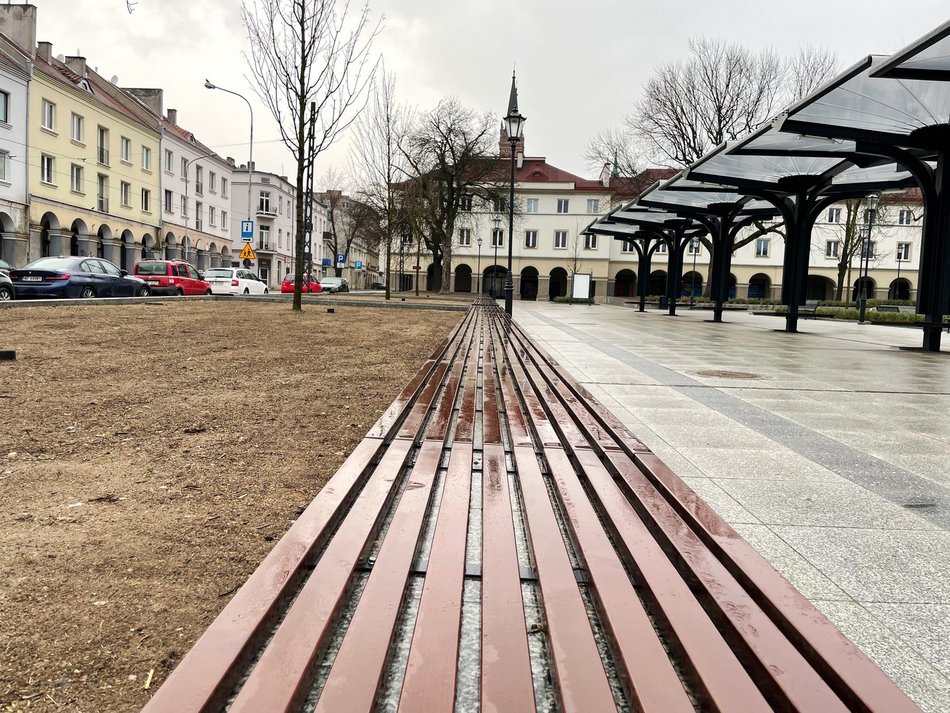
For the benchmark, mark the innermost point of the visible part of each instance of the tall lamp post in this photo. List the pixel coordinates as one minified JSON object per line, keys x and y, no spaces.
{"x":495,"y":236}
{"x":250,"y":150}
{"x":869,"y":215}
{"x":478,"y":270}
{"x":515,"y":123}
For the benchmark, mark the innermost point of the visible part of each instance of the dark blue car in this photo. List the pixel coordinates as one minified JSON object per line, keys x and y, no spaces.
{"x":75,"y":277}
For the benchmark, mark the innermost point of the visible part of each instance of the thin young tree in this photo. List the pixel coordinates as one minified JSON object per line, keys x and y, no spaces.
{"x":307,"y":52}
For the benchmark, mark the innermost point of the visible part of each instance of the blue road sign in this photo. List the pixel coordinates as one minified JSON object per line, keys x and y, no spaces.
{"x":326,"y":262}
{"x":247,"y":229}
{"x":358,"y":264}
{"x":340,"y":259}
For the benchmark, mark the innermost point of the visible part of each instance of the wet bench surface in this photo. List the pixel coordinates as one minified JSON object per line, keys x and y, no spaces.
{"x":500,"y":542}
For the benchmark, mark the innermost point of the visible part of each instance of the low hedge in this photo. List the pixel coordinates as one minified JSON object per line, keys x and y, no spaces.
{"x":574,"y":300}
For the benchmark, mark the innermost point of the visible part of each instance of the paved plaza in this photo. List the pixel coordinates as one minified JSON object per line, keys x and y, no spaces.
{"x":828,"y":450}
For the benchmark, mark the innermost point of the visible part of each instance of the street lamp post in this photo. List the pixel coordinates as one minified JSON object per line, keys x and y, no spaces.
{"x":694,"y":246}
{"x":250,"y":150}
{"x":869,"y":215}
{"x":495,"y":236}
{"x":478,"y":270}
{"x":515,"y":123}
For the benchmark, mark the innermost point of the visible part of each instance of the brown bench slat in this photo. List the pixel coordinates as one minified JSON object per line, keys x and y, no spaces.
{"x":276,"y":681}
{"x":506,"y":682}
{"x":431,"y":672}
{"x":441,"y":419}
{"x":465,"y":428}
{"x":358,"y":669}
{"x":859,"y":681}
{"x":491,"y":426}
{"x":581,"y":679}
{"x":202,"y":678}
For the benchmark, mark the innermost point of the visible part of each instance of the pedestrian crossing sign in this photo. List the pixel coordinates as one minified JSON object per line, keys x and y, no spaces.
{"x":247,"y":253}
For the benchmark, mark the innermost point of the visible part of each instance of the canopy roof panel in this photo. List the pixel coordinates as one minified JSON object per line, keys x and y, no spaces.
{"x":857,"y":106}
{"x":703,"y":202}
{"x":926,"y":58}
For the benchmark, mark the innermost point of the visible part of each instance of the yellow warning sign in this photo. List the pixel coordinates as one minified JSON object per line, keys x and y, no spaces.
{"x":247,"y":253}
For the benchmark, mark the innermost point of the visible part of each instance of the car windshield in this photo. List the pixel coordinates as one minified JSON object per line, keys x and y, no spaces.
{"x":217,"y":273}
{"x":151,"y":268}
{"x":52,"y":263}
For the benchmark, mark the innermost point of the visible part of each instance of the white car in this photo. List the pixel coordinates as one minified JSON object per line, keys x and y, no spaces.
{"x":234,"y":281}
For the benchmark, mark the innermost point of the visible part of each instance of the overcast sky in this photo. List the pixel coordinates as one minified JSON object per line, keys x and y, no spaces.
{"x":580,"y":65}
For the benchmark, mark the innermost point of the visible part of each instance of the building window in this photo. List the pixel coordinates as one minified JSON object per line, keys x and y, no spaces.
{"x":590,"y":241}
{"x":224,"y":219}
{"x":102,"y":193}
{"x":224,"y":187}
{"x":264,"y":237}
{"x":212,"y":181}
{"x":905,"y":217}
{"x":199,"y":211}
{"x":660,"y":249}
{"x":46,"y":169}
{"x":211,"y":216}
{"x":593,"y":205}
{"x":560,"y":239}
{"x":75,"y":178}
{"x":263,"y":202}
{"x":76,"y":129}
{"x":762,"y":247}
{"x":563,"y":205}
{"x":497,"y":238}
{"x":169,"y":201}
{"x":465,"y":204}
{"x":627,"y":246}
{"x":903,"y":252}
{"x":169,"y":161}
{"x":695,"y":247}
{"x":532,"y":205}
{"x":199,"y":180}
{"x":834,"y":215}
{"x":125,"y":193}
{"x":4,"y":107}
{"x":831,"y":248}
{"x":146,"y":200}
{"x":868,"y":249}
{"x":146,"y":158}
{"x":102,"y":146}
{"x":4,"y":156}
{"x":125,"y":149}
{"x":48,"y":117}
{"x":531,"y":238}
{"x":465,"y":236}
{"x":184,"y":207}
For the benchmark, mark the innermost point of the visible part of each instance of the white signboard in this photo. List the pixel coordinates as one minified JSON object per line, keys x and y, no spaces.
{"x":581,"y":289}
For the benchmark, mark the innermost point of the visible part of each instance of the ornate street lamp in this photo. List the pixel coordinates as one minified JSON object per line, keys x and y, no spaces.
{"x":495,"y":237}
{"x":515,"y":125}
{"x":478,"y":270}
{"x":869,"y":215}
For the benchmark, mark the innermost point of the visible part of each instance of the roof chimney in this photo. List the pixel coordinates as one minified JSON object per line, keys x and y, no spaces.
{"x":154,"y":99}
{"x":173,"y":116}
{"x":77,"y":64}
{"x":18,"y":22}
{"x":44,"y":50}
{"x":230,"y":160}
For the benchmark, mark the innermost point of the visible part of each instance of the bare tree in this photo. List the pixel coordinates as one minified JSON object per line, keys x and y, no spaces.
{"x":614,"y":151}
{"x":376,"y":160}
{"x":350,"y":221}
{"x":307,"y":52}
{"x":450,"y":154}
{"x":719,"y":93}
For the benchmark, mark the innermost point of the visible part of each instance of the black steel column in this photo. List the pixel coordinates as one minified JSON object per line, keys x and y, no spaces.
{"x":722,"y":264}
{"x":674,"y":279}
{"x":933,"y":292}
{"x":795,"y":267}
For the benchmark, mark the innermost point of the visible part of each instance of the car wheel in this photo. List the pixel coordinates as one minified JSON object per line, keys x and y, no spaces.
{"x":208,"y":292}
{"x":247,"y":291}
{"x":6,"y":293}
{"x":144,"y":292}
{"x":179,"y":292}
{"x":87,"y":292}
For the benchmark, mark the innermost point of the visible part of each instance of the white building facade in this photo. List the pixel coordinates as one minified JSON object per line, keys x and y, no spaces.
{"x":14,"y":185}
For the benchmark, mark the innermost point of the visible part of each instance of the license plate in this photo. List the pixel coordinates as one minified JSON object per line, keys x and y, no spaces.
{"x":32,"y":278}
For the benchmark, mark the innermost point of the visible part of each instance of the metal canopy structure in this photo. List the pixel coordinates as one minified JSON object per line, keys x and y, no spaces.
{"x":902,"y":120}
{"x":927,"y":58}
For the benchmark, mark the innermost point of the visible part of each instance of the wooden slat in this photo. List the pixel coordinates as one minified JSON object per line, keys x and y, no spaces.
{"x":358,"y":669}
{"x":202,"y":679}
{"x":431,"y":673}
{"x":441,"y":419}
{"x":506,"y":683}
{"x":276,"y":681}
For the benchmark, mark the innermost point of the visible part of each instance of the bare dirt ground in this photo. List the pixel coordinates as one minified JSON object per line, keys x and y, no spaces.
{"x":150,"y":455}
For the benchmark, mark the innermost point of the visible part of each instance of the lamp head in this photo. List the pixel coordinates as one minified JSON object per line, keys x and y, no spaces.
{"x":514,"y":122}
{"x":209,"y":85}
{"x":873,"y":200}
{"x":479,"y":241}
{"x":497,"y":221}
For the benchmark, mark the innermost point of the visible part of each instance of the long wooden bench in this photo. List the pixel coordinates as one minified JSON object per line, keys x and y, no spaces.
{"x":499,"y":541}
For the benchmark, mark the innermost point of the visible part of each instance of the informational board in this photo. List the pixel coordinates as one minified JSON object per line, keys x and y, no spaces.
{"x":581,"y":289}
{"x":247,"y":230}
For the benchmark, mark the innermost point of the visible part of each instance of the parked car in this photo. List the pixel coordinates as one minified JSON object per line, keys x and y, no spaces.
{"x":377,"y":286}
{"x":76,"y":277}
{"x":5,"y":267}
{"x":171,"y":277}
{"x":334,"y":284}
{"x":308,"y":285}
{"x":6,"y":287}
{"x":234,"y":281}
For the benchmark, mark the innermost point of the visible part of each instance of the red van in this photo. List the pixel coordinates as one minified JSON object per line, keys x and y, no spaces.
{"x":171,"y":277}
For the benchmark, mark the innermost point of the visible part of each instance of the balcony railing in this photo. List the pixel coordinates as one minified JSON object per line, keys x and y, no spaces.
{"x":265,"y":211}
{"x":267,"y":246}
{"x":102,"y":155}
